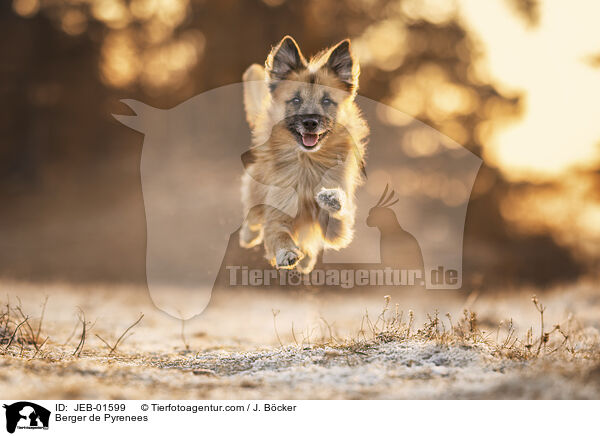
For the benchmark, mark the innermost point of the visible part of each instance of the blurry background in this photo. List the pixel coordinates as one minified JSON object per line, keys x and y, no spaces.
{"x":515,"y":81}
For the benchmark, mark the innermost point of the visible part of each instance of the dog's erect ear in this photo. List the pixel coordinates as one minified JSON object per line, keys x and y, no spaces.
{"x":284,"y":58}
{"x":343,"y":64}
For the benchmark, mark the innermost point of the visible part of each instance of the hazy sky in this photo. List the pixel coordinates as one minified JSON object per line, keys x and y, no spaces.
{"x":550,"y":64}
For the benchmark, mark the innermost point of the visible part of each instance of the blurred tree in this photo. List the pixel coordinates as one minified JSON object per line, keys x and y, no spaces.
{"x":527,"y":10}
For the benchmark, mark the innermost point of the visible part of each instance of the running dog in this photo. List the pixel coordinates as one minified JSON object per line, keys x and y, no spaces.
{"x":308,"y":138}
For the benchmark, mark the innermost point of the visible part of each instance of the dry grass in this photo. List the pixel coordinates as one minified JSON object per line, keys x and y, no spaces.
{"x":569,"y":340}
{"x":16,"y":329}
{"x":389,"y":355}
{"x":22,"y":335}
{"x":123,"y":337}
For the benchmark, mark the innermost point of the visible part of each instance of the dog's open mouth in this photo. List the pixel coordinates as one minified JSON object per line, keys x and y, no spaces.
{"x":311,"y":140}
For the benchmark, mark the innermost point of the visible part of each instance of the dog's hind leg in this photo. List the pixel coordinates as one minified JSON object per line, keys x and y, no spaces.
{"x":253,"y":199}
{"x":251,"y":232}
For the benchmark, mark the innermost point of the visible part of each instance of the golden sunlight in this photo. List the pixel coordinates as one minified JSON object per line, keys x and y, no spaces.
{"x":559,"y":128}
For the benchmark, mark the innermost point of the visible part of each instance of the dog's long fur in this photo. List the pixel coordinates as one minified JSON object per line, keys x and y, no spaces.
{"x":289,"y":103}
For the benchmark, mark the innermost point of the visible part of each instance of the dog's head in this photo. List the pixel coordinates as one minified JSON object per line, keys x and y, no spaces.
{"x":310,"y":95}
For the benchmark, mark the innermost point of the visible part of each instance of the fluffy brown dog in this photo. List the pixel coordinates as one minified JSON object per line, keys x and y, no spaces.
{"x":308,"y":149}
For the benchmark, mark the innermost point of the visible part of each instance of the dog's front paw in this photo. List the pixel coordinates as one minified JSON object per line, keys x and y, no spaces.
{"x":332,"y":200}
{"x":287,"y":259}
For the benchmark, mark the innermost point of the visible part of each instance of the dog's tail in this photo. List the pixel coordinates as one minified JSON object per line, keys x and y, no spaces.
{"x":255,"y":92}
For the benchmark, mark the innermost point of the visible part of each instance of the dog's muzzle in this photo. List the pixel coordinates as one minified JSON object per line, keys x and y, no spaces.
{"x":310,"y":128}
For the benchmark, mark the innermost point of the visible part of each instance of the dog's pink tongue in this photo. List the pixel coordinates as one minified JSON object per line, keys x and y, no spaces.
{"x":309,"y":139}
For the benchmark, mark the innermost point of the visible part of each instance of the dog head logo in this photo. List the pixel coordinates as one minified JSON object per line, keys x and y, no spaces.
{"x":26,"y":415}
{"x":191,"y":170}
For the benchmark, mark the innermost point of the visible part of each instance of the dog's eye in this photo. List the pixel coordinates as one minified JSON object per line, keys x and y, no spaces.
{"x":326,"y":101}
{"x":296,"y":100}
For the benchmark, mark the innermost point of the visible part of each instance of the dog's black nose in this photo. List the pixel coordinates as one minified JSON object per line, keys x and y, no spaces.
{"x":310,"y":124}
